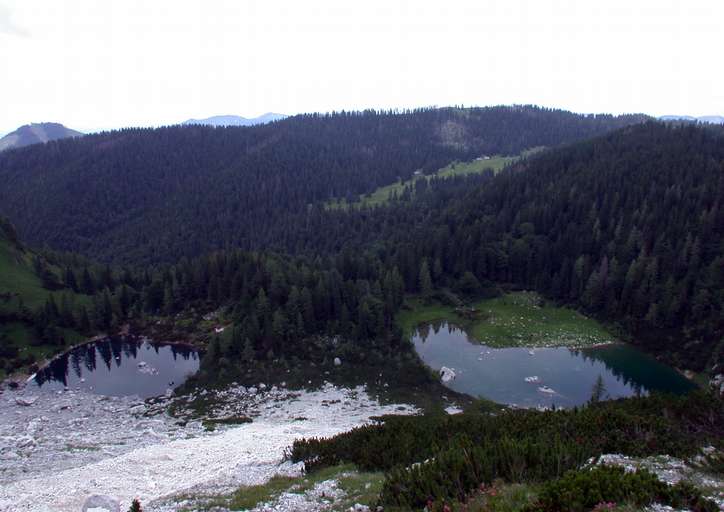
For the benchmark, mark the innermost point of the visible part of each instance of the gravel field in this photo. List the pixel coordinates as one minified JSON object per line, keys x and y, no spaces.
{"x":56,"y":449}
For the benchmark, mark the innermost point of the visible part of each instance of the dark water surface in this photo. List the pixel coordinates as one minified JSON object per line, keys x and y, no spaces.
{"x":565,"y":377}
{"x":120,"y":367}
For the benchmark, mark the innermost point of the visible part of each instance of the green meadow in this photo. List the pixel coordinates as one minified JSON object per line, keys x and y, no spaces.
{"x":517,"y":319}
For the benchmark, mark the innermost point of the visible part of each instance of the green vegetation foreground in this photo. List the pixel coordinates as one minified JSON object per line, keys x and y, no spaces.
{"x":448,"y":458}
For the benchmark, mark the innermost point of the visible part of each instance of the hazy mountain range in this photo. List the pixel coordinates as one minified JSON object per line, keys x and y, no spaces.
{"x":34,"y":133}
{"x":237,"y":120}
{"x":701,"y":119}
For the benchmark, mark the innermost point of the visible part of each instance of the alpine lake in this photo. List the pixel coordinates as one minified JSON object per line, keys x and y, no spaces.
{"x":526,"y":353}
{"x":118,"y":366}
{"x":521,"y":354}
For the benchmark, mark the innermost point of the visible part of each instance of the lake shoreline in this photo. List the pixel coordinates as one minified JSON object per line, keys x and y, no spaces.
{"x":534,"y":376}
{"x":20,"y":379}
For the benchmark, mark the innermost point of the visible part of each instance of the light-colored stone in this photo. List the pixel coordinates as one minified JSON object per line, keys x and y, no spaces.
{"x":101,"y":503}
{"x":26,"y":400}
{"x":446,"y":374}
{"x":337,"y":361}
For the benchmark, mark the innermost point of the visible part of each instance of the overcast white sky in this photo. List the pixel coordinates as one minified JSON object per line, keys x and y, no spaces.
{"x":102,"y":64}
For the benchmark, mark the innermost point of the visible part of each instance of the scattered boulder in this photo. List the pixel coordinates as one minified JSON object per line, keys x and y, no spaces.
{"x":26,"y":442}
{"x":717,"y":383}
{"x":358,"y":507}
{"x":338,"y":362}
{"x":26,"y":401}
{"x":101,"y":503}
{"x":446,"y":374}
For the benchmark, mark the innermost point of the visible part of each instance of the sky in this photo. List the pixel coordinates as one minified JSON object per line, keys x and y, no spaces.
{"x":93,"y":64}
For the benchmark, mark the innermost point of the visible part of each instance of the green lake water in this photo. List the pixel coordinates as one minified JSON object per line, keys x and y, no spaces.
{"x":543,"y":376}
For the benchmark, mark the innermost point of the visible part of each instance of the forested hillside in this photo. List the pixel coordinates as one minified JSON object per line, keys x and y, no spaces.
{"x":42,"y":307}
{"x":628,"y":226}
{"x":152,"y":195}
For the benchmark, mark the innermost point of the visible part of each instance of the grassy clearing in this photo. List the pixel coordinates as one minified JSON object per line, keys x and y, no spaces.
{"x":416,"y":312}
{"x":519,"y":319}
{"x":18,"y":278}
{"x":358,"y":487}
{"x":382,"y":195}
{"x":524,"y":319}
{"x":21,"y":290}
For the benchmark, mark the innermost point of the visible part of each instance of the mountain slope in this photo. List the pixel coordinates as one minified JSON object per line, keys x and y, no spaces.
{"x":35,"y":133}
{"x":236,"y":120}
{"x":701,"y":119}
{"x":143,"y":195}
{"x":628,"y":226}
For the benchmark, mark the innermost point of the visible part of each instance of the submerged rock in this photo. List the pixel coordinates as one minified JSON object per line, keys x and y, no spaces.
{"x":337,"y":361}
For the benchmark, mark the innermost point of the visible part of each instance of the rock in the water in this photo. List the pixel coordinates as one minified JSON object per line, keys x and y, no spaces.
{"x":26,"y":401}
{"x":446,"y":374}
{"x":337,"y":361}
{"x":101,"y":503}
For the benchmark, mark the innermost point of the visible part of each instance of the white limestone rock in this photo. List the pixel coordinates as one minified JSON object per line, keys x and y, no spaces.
{"x":446,"y":374}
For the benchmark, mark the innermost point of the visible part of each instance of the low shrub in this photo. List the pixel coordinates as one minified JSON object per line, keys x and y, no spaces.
{"x":462,"y":451}
{"x":582,"y":490}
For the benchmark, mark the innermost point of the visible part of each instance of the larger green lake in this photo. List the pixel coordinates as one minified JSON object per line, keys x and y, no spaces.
{"x":542,"y":377}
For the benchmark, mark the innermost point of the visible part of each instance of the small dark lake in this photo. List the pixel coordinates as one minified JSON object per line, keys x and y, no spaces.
{"x":543,"y":376}
{"x":120,"y":367}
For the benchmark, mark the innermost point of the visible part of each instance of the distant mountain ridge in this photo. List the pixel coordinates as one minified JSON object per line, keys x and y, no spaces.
{"x":700,"y":119}
{"x":231,"y":120}
{"x":35,"y":133}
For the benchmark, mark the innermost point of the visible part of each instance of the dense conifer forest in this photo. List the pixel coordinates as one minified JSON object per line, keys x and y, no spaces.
{"x":626,"y":226}
{"x":154,"y":195}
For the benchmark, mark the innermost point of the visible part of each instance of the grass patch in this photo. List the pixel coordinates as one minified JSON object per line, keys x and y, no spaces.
{"x":416,"y":311}
{"x":525,"y":319}
{"x":18,"y":278}
{"x":249,"y":497}
{"x":382,"y":195}
{"x":518,"y":319}
{"x":498,"y":498}
{"x":211,"y":423}
{"x":359,"y":487}
{"x":23,"y":337}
